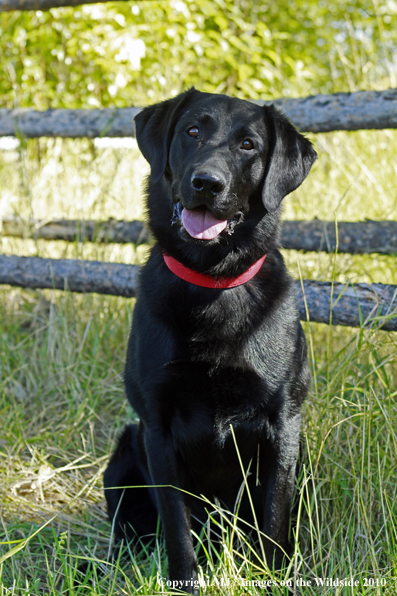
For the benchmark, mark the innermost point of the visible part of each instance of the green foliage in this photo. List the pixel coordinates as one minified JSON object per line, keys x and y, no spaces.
{"x":124,"y":53}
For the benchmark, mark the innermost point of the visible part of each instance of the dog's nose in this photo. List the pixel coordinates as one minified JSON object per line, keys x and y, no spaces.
{"x":207,"y":184}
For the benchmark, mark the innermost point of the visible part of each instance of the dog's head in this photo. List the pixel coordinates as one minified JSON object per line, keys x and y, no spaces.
{"x":222,"y":160}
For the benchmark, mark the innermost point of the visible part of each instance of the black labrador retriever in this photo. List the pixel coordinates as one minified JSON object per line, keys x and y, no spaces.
{"x":216,"y":365}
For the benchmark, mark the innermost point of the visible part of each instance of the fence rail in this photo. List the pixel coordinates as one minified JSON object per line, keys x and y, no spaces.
{"x":317,"y":113}
{"x":364,"y":237}
{"x":353,"y":237}
{"x":348,"y":305}
{"x":10,"y":5}
{"x":72,"y":230}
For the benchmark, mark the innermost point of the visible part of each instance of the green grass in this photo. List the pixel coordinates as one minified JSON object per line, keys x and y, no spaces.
{"x":62,"y":401}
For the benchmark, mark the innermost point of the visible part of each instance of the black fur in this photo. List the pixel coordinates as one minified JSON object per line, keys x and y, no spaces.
{"x":202,"y":360}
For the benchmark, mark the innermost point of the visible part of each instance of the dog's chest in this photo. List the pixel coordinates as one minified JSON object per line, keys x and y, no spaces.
{"x":217,"y":330}
{"x":209,"y":413}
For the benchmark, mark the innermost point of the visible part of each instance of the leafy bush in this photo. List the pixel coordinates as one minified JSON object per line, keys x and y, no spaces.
{"x":123,"y":53}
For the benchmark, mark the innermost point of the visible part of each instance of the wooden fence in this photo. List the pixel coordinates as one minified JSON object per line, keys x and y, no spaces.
{"x":321,"y":301}
{"x":353,"y":237}
{"x":324,"y":302}
{"x":318,"y":113}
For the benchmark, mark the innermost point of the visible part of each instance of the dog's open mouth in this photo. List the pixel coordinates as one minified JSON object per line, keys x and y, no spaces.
{"x":201,"y":224}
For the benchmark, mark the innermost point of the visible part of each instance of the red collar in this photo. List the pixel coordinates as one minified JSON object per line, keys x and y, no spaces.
{"x":206,"y":281}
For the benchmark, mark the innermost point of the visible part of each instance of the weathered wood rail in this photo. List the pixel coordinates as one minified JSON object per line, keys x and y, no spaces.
{"x":318,"y":113}
{"x":338,"y":304}
{"x":10,"y":5}
{"x":353,"y":237}
{"x":364,"y":237}
{"x":72,"y":230}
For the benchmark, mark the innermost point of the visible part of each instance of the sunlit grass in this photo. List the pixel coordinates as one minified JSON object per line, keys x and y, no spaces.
{"x":62,"y":401}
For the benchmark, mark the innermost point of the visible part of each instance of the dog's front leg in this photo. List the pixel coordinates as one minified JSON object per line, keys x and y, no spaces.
{"x":280,"y":470}
{"x":174,"y":514}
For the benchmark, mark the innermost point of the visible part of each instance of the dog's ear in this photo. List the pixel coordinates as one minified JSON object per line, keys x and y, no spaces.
{"x":154,"y":126}
{"x":289,"y":160}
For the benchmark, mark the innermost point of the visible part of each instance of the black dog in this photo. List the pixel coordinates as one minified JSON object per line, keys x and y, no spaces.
{"x":216,"y":358}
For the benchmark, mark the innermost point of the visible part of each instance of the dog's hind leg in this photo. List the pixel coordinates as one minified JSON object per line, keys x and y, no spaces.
{"x":131,"y":506}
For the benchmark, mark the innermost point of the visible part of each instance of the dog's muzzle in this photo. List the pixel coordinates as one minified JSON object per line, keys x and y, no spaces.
{"x":203,"y":226}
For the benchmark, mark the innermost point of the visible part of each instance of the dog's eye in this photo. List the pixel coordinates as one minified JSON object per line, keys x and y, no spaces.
{"x":247,"y":144}
{"x":193,"y":132}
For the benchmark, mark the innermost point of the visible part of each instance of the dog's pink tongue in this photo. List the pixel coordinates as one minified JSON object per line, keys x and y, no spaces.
{"x":200,"y":223}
